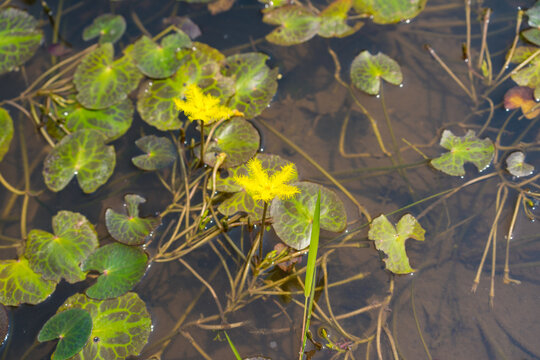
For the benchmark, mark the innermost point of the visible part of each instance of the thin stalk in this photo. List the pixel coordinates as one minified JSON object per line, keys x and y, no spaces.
{"x":512,"y":48}
{"x":371,"y":119}
{"x":506,"y":278}
{"x":418,"y":328}
{"x":261,"y":233}
{"x":468,"y":50}
{"x":450,"y":72}
{"x":9,"y":187}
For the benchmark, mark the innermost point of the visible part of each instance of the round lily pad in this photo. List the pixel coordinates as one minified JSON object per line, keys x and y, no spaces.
{"x":19,"y":36}
{"x":103,"y":82}
{"x":6,"y":132}
{"x":159,"y":61}
{"x":120,"y":326}
{"x":237,"y":138}
{"x":293,"y":217}
{"x":108,"y":27}
{"x":242,"y":202}
{"x":334,"y":20}
{"x":296,"y":23}
{"x":389,"y":11}
{"x":129,"y":228}
{"x":255,"y":84}
{"x":121,"y":267}
{"x":391,"y":240}
{"x":82,"y":153}
{"x":367,"y":71}
{"x":72,"y":327}
{"x":516,"y":165}
{"x":113,"y":121}
{"x":199,"y":65}
{"x":159,"y":153}
{"x":20,"y":284}
{"x":532,"y":35}
{"x":467,"y":148}
{"x":60,"y":255}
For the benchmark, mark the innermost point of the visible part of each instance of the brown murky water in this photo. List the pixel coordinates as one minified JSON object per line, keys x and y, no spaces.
{"x":433,"y":308}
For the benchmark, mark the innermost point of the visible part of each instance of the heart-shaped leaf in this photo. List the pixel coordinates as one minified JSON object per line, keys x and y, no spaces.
{"x":82,"y":153}
{"x":529,"y":75}
{"x":103,"y":82}
{"x":237,"y":138}
{"x":19,"y":38}
{"x":120,"y":326}
{"x":159,"y":61}
{"x":159,"y":153}
{"x":113,"y":121}
{"x":468,"y":148}
{"x":72,"y":327}
{"x":108,"y":27}
{"x":334,"y":20}
{"x":367,"y":71}
{"x":389,"y":11}
{"x":532,"y":36}
{"x":296,"y":23}
{"x":255,"y":84}
{"x":293,"y":218}
{"x":6,"y":132}
{"x":129,"y":228}
{"x":391,"y":240}
{"x":199,"y":65}
{"x":534,"y":15}
{"x":516,"y":165}
{"x":522,"y":96}
{"x":60,"y":255}
{"x":20,"y":284}
{"x":121,"y":267}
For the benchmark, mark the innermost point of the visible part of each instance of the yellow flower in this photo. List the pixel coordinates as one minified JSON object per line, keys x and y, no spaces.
{"x":263,"y":187}
{"x":206,"y":108}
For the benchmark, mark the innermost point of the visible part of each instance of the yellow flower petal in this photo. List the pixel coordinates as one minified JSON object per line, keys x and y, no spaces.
{"x":260,"y":186}
{"x":206,"y":108}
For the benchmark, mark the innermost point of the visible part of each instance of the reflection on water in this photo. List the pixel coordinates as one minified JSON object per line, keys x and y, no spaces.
{"x":433,"y":308}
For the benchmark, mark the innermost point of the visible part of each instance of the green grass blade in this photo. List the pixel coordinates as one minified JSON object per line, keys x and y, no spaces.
{"x":309,"y":289}
{"x":233,"y":348}
{"x":313,"y":247}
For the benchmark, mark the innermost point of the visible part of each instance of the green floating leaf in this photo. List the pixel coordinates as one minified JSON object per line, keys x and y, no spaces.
{"x":129,"y":228}
{"x":120,"y":329}
{"x":334,"y":20}
{"x":515,"y":164}
{"x":367,"y":71}
{"x":6,"y":132}
{"x":72,"y":327}
{"x":389,"y":11}
{"x":159,"y":61}
{"x":529,"y":75}
{"x":255,"y":83}
{"x":103,"y":82}
{"x":296,"y":23}
{"x":534,"y":15}
{"x":159,"y":153}
{"x":293,"y":218}
{"x":237,"y":138}
{"x":82,"y":153}
{"x":121,"y":267}
{"x":199,"y":65}
{"x":468,"y":148}
{"x":113,"y":121}
{"x":19,"y":38}
{"x":108,"y":27}
{"x":60,"y":255}
{"x":240,"y":201}
{"x":20,"y":284}
{"x":391,"y":240}
{"x":532,"y":36}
